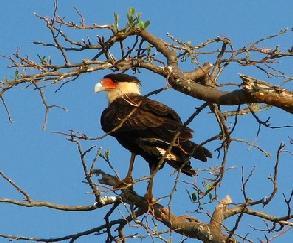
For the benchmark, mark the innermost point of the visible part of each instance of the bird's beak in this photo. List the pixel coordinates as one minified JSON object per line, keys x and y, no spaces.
{"x":99,"y":87}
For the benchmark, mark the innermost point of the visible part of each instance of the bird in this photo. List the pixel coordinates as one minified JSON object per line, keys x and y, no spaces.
{"x":147,"y":128}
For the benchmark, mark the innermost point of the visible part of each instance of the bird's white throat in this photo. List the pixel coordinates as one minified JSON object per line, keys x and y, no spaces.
{"x":122,"y":89}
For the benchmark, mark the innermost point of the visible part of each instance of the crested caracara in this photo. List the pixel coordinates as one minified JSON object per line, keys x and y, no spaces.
{"x":147,"y":127}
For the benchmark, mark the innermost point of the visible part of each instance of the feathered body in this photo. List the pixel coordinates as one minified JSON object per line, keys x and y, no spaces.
{"x":147,"y":127}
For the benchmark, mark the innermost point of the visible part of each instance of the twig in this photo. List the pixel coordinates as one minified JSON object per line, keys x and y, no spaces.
{"x":11,"y":182}
{"x":275,"y":176}
{"x":6,"y":109}
{"x":47,"y":107}
{"x":87,"y":173}
{"x":67,"y":237}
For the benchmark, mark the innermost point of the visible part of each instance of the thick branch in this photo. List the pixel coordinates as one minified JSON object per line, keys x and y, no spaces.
{"x":185,"y":83}
{"x":218,"y":215}
{"x":236,"y":97}
{"x":268,"y":94}
{"x":189,"y":83}
{"x":183,"y":224}
{"x":161,"y":46}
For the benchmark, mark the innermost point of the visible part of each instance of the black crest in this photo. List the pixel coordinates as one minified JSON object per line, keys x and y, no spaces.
{"x":122,"y":77}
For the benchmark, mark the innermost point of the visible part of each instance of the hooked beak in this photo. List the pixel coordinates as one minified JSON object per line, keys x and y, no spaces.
{"x":99,"y":87}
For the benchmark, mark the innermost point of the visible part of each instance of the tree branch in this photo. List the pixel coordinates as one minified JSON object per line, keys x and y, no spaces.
{"x":106,"y":200}
{"x":183,"y":224}
{"x":269,"y":94}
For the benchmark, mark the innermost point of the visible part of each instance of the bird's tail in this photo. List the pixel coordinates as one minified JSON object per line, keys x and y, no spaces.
{"x":184,"y":168}
{"x":179,"y":155}
{"x":197,"y":151}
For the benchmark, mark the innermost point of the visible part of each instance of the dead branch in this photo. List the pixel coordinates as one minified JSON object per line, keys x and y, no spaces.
{"x":183,"y":224}
{"x":185,"y":82}
{"x":268,"y":94}
{"x":103,"y":202}
{"x":71,"y":237}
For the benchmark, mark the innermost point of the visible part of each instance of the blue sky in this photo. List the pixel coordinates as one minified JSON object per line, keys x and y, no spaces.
{"x":47,"y":166}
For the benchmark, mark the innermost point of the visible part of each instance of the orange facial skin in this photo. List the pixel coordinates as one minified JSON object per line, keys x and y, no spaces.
{"x":108,"y":83}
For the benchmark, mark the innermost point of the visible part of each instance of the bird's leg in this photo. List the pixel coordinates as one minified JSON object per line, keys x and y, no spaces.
{"x":131,"y":163}
{"x":149,"y":195}
{"x":127,"y":182}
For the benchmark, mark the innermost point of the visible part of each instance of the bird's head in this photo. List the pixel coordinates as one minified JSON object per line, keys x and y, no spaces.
{"x":117,"y":85}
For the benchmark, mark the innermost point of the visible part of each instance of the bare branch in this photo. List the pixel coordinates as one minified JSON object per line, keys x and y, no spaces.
{"x":268,"y":94}
{"x":185,"y":225}
{"x":32,"y":203}
{"x":218,"y":215}
{"x":275,"y":176}
{"x":11,"y":182}
{"x":71,"y":237}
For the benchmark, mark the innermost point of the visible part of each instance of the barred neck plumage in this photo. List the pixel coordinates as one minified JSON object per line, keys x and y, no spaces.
{"x":123,"y":88}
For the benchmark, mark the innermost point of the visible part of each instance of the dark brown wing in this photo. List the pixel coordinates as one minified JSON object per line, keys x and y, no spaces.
{"x":143,"y":116}
{"x":147,"y":127}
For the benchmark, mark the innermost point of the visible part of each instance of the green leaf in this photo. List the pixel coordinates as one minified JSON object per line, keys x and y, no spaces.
{"x":210,"y":196}
{"x":149,"y":49}
{"x":141,"y":24}
{"x":107,"y":154}
{"x":16,"y":74}
{"x":131,"y":11}
{"x":209,"y":187}
{"x":100,"y":152}
{"x":146,"y":24}
{"x":116,"y":18}
{"x":130,"y":20}
{"x":130,"y":16}
{"x":116,"y":22}
{"x":268,"y":155}
{"x":194,"y":197}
